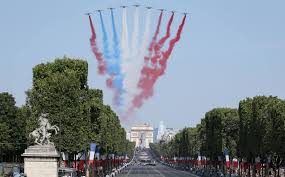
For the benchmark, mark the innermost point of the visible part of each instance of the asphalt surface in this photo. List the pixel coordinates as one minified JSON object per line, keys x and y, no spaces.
{"x":139,"y":168}
{"x":153,"y":171}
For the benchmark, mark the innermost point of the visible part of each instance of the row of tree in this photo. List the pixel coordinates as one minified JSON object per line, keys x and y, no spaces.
{"x":255,"y":129}
{"x":60,"y":89}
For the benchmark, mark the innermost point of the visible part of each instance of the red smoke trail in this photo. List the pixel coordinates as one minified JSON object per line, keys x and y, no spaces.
{"x":146,"y":59}
{"x":151,"y":74}
{"x":153,"y":41}
{"x":161,"y":42}
{"x":95,"y":50}
{"x":172,"y":43}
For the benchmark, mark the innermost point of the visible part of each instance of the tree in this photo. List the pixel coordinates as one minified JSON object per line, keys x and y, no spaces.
{"x":274,"y":139}
{"x":60,"y":89}
{"x":12,"y":128}
{"x":194,"y":141}
{"x":213,"y":121}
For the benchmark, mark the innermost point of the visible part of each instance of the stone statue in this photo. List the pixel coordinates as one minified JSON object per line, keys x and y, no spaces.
{"x":42,"y":134}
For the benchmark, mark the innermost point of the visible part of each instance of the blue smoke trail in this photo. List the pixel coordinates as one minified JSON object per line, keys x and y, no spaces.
{"x":117,"y":52}
{"x":116,"y":66}
{"x":106,"y":51}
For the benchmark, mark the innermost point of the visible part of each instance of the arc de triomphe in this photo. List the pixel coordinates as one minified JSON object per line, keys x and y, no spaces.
{"x":142,"y":135}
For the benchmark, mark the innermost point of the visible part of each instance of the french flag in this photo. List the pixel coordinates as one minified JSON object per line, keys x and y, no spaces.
{"x":228,"y":163}
{"x":92,"y":153}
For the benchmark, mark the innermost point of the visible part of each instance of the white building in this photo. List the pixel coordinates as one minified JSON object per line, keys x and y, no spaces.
{"x":168,"y":135}
{"x":161,"y":131}
{"x":142,"y":135}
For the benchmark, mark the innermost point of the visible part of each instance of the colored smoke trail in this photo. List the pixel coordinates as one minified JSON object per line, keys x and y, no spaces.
{"x":151,"y":74}
{"x":117,"y":52}
{"x":167,"y":53}
{"x":137,"y":89}
{"x":106,"y":51}
{"x":154,"y":38}
{"x":125,"y":38}
{"x":132,"y":61}
{"x":161,"y":42}
{"x":117,"y":79}
{"x":145,"y":38}
{"x":95,"y":50}
{"x":125,"y":57}
{"x":135,"y":33}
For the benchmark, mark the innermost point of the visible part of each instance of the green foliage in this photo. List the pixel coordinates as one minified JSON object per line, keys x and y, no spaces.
{"x":12,"y":126}
{"x":257,"y":128}
{"x":60,"y":89}
{"x":262,"y":127}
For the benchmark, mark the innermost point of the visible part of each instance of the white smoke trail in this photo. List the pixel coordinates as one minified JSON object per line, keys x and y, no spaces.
{"x":135,"y":34}
{"x":124,"y":51}
{"x":125,"y":42}
{"x":137,"y":64}
{"x":132,"y":61}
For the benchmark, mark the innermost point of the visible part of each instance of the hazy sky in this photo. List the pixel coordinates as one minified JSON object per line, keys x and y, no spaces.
{"x":229,"y":50}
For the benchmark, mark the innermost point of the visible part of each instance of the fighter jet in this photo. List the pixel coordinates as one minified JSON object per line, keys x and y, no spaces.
{"x":148,"y":7}
{"x":173,"y":12}
{"x":99,"y":10}
{"x":124,"y":6}
{"x":186,"y":13}
{"x":111,"y":8}
{"x":136,"y":5}
{"x":161,"y":10}
{"x":88,"y":13}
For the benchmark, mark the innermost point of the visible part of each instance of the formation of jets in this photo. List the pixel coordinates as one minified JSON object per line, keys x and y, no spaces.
{"x":136,"y":5}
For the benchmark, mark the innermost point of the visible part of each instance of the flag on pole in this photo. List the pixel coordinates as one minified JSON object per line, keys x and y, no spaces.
{"x":226,"y":153}
{"x":92,"y":153}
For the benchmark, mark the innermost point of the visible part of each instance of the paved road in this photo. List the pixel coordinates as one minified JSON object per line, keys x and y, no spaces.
{"x":153,"y":171}
{"x":140,"y":170}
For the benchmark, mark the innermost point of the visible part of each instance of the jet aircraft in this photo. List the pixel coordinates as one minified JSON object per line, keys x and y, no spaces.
{"x":161,"y":10}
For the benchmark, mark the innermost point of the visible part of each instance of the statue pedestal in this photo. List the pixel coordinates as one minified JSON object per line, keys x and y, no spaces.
{"x":41,"y":161}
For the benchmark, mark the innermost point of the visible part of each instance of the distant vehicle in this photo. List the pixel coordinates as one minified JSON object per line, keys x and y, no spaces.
{"x":67,"y":172}
{"x":153,"y":163}
{"x":145,"y":161}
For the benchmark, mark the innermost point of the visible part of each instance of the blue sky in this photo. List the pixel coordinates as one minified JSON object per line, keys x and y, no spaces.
{"x":229,"y":50}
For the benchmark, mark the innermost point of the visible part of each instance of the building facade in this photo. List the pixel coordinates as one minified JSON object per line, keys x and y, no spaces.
{"x":142,"y":135}
{"x":168,"y":135}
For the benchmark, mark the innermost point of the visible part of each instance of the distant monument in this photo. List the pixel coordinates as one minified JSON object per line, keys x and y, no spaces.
{"x":142,"y":135}
{"x":41,"y":160}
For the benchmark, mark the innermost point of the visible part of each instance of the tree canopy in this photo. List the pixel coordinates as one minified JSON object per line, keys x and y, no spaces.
{"x":60,"y":89}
